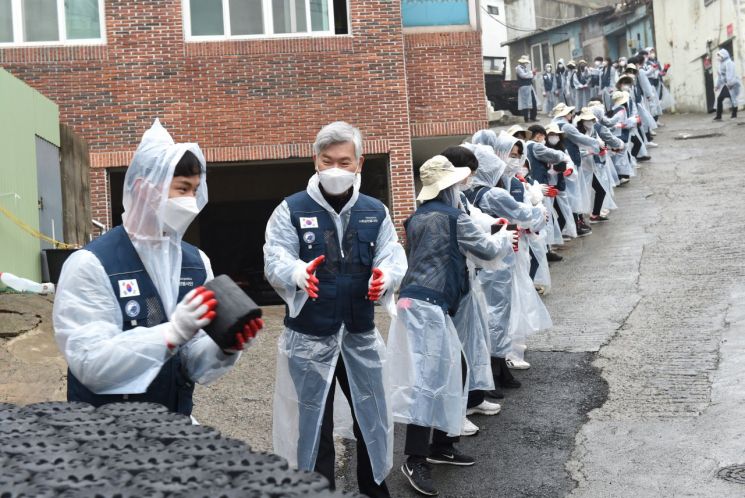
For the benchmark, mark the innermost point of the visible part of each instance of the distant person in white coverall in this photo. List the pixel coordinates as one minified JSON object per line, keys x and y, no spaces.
{"x":728,"y":84}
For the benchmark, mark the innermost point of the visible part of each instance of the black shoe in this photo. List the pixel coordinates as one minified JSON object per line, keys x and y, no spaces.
{"x":495,"y":393}
{"x":552,"y":256}
{"x":419,"y":475}
{"x":583,"y":231}
{"x":717,"y":118}
{"x":643,"y":158}
{"x":451,"y":456}
{"x":512,"y":383}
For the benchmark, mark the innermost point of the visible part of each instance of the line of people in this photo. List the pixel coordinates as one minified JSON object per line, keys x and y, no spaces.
{"x":463,"y":296}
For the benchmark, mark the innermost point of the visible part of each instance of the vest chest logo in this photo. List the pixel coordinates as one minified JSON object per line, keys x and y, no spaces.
{"x":128,"y":288}
{"x":186,"y":282}
{"x":309,"y":237}
{"x":132,"y":308}
{"x":309,"y":222}
{"x":369,"y":219}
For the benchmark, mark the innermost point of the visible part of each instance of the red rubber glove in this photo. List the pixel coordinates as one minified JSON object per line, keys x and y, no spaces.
{"x":568,"y":172}
{"x":520,"y":177}
{"x":250,"y":330}
{"x":551,"y":192}
{"x":603,"y":151}
{"x":377,"y":285}
{"x":666,"y":67}
{"x":305,"y":277}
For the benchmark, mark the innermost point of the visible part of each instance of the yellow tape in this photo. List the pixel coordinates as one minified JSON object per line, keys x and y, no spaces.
{"x":35,"y":233}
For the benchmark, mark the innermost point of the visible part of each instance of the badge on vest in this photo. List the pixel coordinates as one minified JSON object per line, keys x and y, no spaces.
{"x":309,"y":222}
{"x":369,"y":219}
{"x":128,"y":288}
{"x":132,"y":308}
{"x":309,"y":237}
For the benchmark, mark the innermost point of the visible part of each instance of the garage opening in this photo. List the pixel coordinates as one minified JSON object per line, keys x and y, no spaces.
{"x":242,"y":197}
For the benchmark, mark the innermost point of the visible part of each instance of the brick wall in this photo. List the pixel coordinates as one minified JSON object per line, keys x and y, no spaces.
{"x":258,"y":99}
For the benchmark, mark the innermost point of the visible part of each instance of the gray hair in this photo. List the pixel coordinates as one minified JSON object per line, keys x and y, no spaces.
{"x":338,"y":132}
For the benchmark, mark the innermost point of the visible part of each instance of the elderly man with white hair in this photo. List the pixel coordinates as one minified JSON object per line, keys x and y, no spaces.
{"x":338,"y":247}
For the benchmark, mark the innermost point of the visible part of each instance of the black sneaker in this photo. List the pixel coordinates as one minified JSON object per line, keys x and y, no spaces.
{"x":583,"y":231}
{"x":718,"y":118}
{"x":419,"y":475}
{"x":552,"y":256}
{"x":451,"y":456}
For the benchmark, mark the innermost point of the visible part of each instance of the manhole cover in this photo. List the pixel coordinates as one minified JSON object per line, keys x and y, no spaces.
{"x":733,"y":473}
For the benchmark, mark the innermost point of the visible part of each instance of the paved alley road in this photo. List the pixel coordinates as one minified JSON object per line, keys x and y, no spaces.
{"x":638,"y":388}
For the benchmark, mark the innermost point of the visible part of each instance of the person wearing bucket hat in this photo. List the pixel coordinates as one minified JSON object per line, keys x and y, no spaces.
{"x":596,"y":168}
{"x":130,"y":307}
{"x":429,"y":390}
{"x":331,"y":252}
{"x":519,"y":132}
{"x":621,"y":128}
{"x":628,"y":83}
{"x":573,"y":140}
{"x":566,"y":184}
{"x":650,"y":102}
{"x":526,"y":98}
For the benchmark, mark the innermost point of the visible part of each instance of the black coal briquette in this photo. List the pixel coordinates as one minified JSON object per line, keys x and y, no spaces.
{"x":234,"y":310}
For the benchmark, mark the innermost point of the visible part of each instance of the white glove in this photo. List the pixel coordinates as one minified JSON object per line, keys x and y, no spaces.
{"x":194,"y":312}
{"x":535,"y":193}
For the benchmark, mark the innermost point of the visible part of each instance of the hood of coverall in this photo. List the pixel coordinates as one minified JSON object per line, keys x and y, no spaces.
{"x":146,"y":186}
{"x":490,"y":168}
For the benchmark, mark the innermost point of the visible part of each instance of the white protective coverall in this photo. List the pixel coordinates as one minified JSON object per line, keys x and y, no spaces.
{"x":313,"y":358}
{"x":87,"y":316}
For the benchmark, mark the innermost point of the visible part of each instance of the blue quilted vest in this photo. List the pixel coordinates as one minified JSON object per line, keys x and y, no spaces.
{"x":345,"y":273}
{"x":572,"y":149}
{"x":171,"y":387}
{"x":437,"y":269}
{"x":538,"y":168}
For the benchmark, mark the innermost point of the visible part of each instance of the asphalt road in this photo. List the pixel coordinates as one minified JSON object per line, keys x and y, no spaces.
{"x":638,"y":388}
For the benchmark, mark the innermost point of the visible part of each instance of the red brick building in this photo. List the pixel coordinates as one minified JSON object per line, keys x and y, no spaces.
{"x":252,"y":81}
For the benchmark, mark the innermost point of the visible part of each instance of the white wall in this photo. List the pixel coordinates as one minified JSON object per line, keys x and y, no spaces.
{"x":682,"y":28}
{"x":520,"y":14}
{"x":493,"y":34}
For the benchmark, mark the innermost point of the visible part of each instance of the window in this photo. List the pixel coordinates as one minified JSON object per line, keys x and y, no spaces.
{"x":494,"y":64}
{"x":225,"y":19}
{"x":539,"y":55}
{"x":45,"y":22}
{"x":493,"y":10}
{"x":417,"y":13}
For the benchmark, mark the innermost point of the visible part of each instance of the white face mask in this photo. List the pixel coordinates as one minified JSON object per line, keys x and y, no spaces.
{"x":553,"y":139}
{"x":465,"y":185}
{"x":625,"y":88}
{"x":513,"y":165}
{"x":179,"y":213}
{"x":524,"y":172}
{"x":336,"y":181}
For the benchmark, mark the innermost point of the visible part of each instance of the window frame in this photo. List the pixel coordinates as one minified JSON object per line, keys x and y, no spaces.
{"x":16,"y":12}
{"x":471,"y":26}
{"x":268,"y":24}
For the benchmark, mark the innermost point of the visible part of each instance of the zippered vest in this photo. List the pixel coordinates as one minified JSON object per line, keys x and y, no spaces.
{"x":548,"y":82}
{"x":171,"y":387}
{"x":437,"y":269}
{"x":538,"y":168}
{"x":345,"y":273}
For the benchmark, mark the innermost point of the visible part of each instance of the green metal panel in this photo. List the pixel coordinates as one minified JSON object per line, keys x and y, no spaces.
{"x":24,"y":114}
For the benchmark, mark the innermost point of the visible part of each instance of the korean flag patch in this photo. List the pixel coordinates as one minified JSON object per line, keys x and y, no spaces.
{"x":128,"y":288}
{"x":309,"y":222}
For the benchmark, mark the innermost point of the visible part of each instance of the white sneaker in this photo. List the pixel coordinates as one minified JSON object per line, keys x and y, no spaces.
{"x":485,"y":408}
{"x":516,"y":364}
{"x":624,"y":181}
{"x":604,"y":212}
{"x":652,"y":144}
{"x":469,"y":428}
{"x":653,"y":133}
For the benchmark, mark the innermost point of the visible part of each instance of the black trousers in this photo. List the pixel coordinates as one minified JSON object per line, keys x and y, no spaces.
{"x":326,"y":455}
{"x":530,"y":114}
{"x":636,"y":145}
{"x":417,"y":446}
{"x":533,"y":264}
{"x":560,"y":218}
{"x":475,"y":398}
{"x":724,"y":94}
{"x":599,"y":196}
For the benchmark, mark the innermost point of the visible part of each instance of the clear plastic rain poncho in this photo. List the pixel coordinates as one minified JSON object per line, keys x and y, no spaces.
{"x":306,"y":364}
{"x":622,"y":161}
{"x":497,"y":283}
{"x":87,"y":316}
{"x":470,"y":320}
{"x":423,"y":344}
{"x":581,"y":190}
{"x":600,"y":170}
